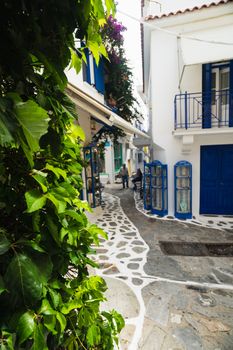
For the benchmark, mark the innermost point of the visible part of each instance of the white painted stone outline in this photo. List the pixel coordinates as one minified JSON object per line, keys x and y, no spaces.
{"x":114,"y":210}
{"x":117,"y":215}
{"x":201,"y":221}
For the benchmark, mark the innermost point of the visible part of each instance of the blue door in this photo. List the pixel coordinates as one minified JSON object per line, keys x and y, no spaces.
{"x":216,"y":195}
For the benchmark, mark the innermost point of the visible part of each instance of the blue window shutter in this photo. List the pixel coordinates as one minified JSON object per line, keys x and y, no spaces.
{"x":231,"y":95}
{"x":87,"y":76}
{"x":206,"y":96}
{"x":99,"y":76}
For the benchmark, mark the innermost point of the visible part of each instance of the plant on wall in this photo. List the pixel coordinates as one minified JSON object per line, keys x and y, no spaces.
{"x":47,"y":299}
{"x":118,"y":79}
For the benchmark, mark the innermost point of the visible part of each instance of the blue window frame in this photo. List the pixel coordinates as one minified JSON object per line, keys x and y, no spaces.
{"x":146,"y":186}
{"x":158,"y":189}
{"x":183,"y":190}
{"x":99,"y":76}
{"x":93,"y":74}
{"x":86,"y":67}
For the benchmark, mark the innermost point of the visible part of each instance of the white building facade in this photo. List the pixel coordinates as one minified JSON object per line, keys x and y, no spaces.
{"x":188,"y":74}
{"x":86,"y":89}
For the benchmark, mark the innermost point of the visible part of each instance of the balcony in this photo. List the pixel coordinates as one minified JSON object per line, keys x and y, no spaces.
{"x":195,"y":111}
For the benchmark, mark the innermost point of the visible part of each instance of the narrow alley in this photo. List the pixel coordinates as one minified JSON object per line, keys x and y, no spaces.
{"x":170,"y":299}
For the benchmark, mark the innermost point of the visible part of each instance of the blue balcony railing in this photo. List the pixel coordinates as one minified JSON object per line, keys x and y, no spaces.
{"x":199,"y":110}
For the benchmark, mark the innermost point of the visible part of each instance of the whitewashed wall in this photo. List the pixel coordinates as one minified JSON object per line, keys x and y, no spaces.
{"x":77,"y":80}
{"x":165,"y":75}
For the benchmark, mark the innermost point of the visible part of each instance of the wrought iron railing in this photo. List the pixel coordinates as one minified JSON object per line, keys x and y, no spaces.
{"x":199,"y":110}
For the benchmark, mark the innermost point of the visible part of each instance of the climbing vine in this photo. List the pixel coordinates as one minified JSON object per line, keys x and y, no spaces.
{"x":118,"y":79}
{"x":47,"y":298}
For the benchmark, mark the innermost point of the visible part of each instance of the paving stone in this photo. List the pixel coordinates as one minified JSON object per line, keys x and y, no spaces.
{"x":152,"y":336}
{"x":121,"y":298}
{"x":189,"y":338}
{"x":181,"y":303}
{"x":223,"y":277}
{"x":218,"y":319}
{"x":129,"y":234}
{"x":121,"y":244}
{"x":100,"y":251}
{"x":137,"y":242}
{"x":104,"y":265}
{"x":157,"y":309}
{"x":124,"y":227}
{"x":103,"y":257}
{"x":214,"y":325}
{"x":133,"y":266}
{"x":137,"y":281}
{"x":136,"y":259}
{"x":176,"y":318}
{"x":111,"y":271}
{"x":138,"y":249}
{"x":126,"y":336}
{"x":112,"y":223}
{"x":123,"y":255}
{"x":193,"y":322}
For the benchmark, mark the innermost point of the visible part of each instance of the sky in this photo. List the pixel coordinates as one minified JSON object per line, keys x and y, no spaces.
{"x":132,"y":35}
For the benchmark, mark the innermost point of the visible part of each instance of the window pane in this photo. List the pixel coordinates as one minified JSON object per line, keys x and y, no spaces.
{"x":224,"y":80}
{"x":213,"y":80}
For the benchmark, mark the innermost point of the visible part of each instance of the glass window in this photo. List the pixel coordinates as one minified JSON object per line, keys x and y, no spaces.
{"x":224,"y":85}
{"x":118,"y":156}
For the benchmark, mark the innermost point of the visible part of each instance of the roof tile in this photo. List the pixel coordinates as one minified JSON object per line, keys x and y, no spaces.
{"x":195,"y":8}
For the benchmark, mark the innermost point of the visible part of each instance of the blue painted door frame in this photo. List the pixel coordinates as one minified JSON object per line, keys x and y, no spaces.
{"x":216,"y":181}
{"x":231,"y":95}
{"x":206,"y":95}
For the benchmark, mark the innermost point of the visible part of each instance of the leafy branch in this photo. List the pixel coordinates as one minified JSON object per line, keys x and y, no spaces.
{"x":44,"y":233}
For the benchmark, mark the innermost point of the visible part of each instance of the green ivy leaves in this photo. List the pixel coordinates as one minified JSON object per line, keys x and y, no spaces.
{"x":4,"y":243}
{"x":35,"y":200}
{"x":25,"y":327}
{"x":22,"y":123}
{"x":34,"y":122}
{"x":23,"y":281}
{"x":47,"y":299}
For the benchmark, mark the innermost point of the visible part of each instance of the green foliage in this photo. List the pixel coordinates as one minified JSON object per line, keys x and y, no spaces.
{"x":47,"y":299}
{"x":118,"y":79}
